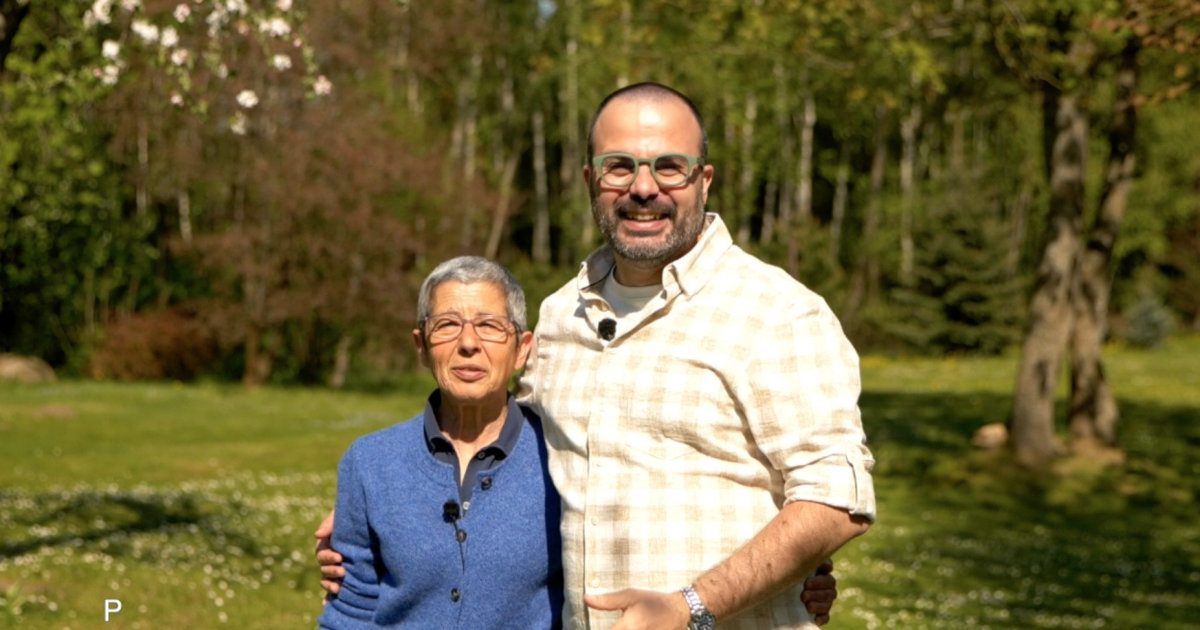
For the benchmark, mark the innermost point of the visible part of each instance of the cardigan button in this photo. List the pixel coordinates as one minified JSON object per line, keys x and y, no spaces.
{"x":455,"y":595}
{"x":486,"y":483}
{"x":461,"y":535}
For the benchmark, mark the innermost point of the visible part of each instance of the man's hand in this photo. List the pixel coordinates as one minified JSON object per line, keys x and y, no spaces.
{"x":330,"y":560}
{"x":820,"y":590}
{"x":644,"y":610}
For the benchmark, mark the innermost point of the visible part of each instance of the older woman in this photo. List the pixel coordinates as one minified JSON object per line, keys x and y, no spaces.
{"x":450,"y":520}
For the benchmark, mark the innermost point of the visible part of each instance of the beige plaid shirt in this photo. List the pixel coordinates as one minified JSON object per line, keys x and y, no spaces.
{"x":733,"y":393}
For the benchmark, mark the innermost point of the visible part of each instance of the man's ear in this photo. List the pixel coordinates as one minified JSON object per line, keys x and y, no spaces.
{"x":706,"y":181}
{"x":422,"y":351}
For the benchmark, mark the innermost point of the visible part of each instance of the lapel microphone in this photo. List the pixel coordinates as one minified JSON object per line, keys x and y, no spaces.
{"x":451,"y":511}
{"x":607,"y":329}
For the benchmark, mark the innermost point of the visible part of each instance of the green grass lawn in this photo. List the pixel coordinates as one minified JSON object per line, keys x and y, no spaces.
{"x":193,"y":505}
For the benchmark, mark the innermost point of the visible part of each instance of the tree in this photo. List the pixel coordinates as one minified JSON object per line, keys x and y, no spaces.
{"x":1070,"y":300}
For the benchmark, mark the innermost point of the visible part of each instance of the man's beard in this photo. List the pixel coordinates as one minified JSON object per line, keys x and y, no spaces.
{"x":685,"y":230}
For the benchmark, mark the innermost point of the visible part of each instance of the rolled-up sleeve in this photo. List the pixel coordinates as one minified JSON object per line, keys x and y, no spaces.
{"x":800,"y":393}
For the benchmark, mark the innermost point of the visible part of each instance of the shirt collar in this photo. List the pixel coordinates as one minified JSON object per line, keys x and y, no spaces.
{"x":689,"y":273}
{"x":501,"y":448}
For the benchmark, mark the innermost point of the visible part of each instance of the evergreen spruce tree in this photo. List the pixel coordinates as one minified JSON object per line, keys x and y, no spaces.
{"x":964,"y":298}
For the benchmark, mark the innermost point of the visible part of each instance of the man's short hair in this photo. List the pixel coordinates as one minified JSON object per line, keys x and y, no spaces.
{"x":650,"y":91}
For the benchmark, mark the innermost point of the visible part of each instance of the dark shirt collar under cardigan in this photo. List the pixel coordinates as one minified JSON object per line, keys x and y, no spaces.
{"x":486,"y":459}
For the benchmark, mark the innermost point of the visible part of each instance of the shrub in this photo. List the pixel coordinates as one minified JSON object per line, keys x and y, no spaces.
{"x":168,"y":344}
{"x":1149,"y":321}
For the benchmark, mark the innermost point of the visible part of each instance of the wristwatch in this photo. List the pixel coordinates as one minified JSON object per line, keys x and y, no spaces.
{"x":701,"y":618}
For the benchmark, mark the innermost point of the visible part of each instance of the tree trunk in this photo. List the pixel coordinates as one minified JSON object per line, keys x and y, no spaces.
{"x":778,"y":206}
{"x":506,"y":154}
{"x":908,"y":161}
{"x":1032,"y":426}
{"x":866,"y":278}
{"x":797,"y":229}
{"x":500,"y":215}
{"x":746,"y":181}
{"x":12,"y":13}
{"x":841,"y":195}
{"x":470,"y":138}
{"x":575,"y":202}
{"x":341,"y":356}
{"x":541,"y":202}
{"x":1093,"y":406}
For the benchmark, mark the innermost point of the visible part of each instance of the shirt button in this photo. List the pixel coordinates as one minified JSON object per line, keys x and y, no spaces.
{"x":461,"y":535}
{"x":480,"y":456}
{"x":486,"y":484}
{"x":455,"y":595}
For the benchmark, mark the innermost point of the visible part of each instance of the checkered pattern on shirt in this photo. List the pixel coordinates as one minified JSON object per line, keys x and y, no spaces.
{"x":734,"y":392}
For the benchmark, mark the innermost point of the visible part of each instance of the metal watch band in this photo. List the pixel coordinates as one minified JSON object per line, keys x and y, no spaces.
{"x":702,"y":619}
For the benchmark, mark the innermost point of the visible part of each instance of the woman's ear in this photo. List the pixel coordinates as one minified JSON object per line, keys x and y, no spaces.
{"x":422,"y":351}
{"x":524,"y":347}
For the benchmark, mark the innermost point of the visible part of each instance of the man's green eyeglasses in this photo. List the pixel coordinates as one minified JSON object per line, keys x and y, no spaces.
{"x":670,"y":170}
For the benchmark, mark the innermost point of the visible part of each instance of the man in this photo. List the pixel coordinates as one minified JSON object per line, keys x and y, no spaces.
{"x":700,"y":405}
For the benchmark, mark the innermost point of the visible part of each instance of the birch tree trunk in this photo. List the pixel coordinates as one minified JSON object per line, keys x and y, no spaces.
{"x":541,"y":192}
{"x":469,"y":110}
{"x":841,"y":195}
{"x":797,"y":228}
{"x":746,"y":179}
{"x":506,"y":154}
{"x":1093,"y":407}
{"x":779,"y":195}
{"x":573,"y":152}
{"x":1032,"y":427}
{"x":865,"y":284}
{"x":908,"y":160}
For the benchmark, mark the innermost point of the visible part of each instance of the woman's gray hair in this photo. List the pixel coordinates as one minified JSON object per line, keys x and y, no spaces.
{"x":469,"y":270}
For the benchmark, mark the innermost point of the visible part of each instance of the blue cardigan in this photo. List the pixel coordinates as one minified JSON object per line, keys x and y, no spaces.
{"x":408,"y":564}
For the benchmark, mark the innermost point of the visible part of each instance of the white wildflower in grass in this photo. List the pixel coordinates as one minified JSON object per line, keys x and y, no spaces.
{"x":235,"y":6}
{"x":237,"y":124}
{"x":283,"y":5}
{"x":169,"y":37}
{"x":182,"y":13}
{"x":180,"y":56}
{"x":145,"y":30}
{"x":281,"y":62}
{"x":247,"y":99}
{"x":176,"y":99}
{"x":276,"y":27}
{"x":110,"y":49}
{"x":322,"y":86}
{"x":131,"y":5}
{"x":222,"y":71}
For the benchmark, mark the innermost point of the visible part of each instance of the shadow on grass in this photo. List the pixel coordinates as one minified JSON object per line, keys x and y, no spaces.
{"x":1088,"y":539}
{"x":109,"y":518}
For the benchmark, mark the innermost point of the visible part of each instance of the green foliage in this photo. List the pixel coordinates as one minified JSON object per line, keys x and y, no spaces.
{"x":67,"y":249}
{"x":166,"y":190}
